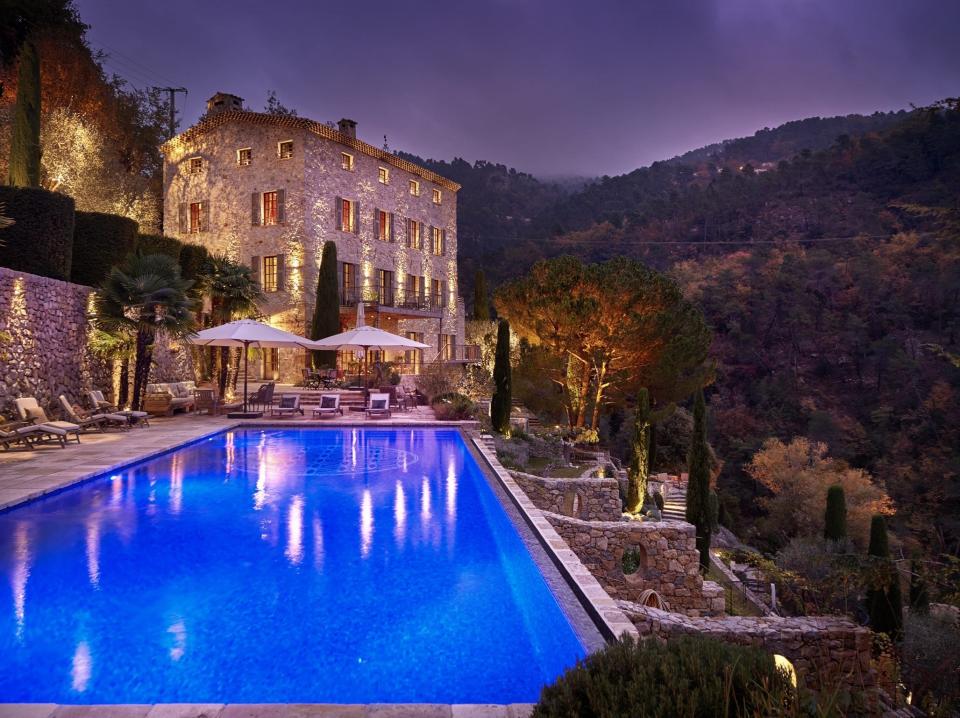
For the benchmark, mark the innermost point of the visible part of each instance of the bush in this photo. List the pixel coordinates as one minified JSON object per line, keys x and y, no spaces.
{"x":99,"y":242}
{"x":931,"y":645}
{"x":452,"y":407}
{"x":435,"y":380}
{"x":41,"y":240}
{"x":688,"y":676}
{"x":658,"y":499}
{"x":159,"y":244}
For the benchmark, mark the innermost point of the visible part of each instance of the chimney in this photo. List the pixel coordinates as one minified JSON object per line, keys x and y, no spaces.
{"x":222,"y":102}
{"x":348,"y":127}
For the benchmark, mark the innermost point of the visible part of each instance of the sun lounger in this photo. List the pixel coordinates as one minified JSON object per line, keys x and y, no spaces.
{"x":30,"y":411}
{"x":288,"y":406}
{"x":379,"y":406}
{"x":329,"y":406}
{"x":100,"y":404}
{"x":30,"y":434}
{"x":88,"y":421}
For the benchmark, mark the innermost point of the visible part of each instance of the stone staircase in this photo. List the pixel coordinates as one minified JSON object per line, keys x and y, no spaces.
{"x":675,"y":503}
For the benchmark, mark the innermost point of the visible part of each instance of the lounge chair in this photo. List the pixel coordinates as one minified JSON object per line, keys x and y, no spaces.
{"x":288,"y":406}
{"x":31,"y":412}
{"x":87,"y":420}
{"x":263,"y":398}
{"x":30,"y":434}
{"x":329,"y":406}
{"x":379,"y":406}
{"x":208,"y":400}
{"x":99,"y":404}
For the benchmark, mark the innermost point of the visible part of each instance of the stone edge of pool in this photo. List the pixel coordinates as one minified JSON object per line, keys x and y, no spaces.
{"x":609,"y":619}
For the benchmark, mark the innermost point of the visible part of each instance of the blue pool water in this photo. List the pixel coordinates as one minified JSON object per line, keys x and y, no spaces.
{"x":279,"y":565}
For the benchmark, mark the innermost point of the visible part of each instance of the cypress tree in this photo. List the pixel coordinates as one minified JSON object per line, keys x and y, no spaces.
{"x":481,"y":307}
{"x":326,"y":311}
{"x":639,"y":454}
{"x":919,"y":598}
{"x":835,"y":516}
{"x":698,"y":486}
{"x":24,"y":167}
{"x":502,"y":395}
{"x":884,"y":602}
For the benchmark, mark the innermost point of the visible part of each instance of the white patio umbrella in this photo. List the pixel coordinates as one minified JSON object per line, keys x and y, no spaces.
{"x":245,"y":333}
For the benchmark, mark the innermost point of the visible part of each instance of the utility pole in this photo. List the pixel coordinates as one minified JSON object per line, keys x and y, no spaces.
{"x":172,"y":91}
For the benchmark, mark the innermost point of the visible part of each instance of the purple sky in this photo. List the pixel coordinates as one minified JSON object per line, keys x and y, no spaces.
{"x":546,"y":86}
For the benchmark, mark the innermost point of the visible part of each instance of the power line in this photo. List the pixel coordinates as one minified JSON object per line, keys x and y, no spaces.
{"x":561,"y":240}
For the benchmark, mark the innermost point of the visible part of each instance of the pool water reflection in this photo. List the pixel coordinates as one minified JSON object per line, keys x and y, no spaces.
{"x":279,"y":565}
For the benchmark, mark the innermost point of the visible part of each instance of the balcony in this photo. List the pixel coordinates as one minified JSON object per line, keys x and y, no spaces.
{"x":398,"y":299}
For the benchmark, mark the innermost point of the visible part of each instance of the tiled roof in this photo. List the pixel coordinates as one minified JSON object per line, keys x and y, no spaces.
{"x":302,"y":123}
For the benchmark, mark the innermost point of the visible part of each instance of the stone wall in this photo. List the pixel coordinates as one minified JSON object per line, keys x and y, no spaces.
{"x":826,"y":652}
{"x":587,"y":499}
{"x":665,"y":552}
{"x":43,"y":340}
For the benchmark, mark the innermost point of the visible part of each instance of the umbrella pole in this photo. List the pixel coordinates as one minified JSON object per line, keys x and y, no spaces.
{"x":246,"y":353}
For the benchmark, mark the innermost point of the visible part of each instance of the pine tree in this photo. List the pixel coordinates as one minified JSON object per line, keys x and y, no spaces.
{"x":24,"y":167}
{"x":639,"y":454}
{"x":502,"y":395}
{"x":919,"y":598}
{"x":698,"y":486}
{"x":884,"y":602}
{"x":835,"y":516}
{"x":326,"y":311}
{"x":481,"y":305}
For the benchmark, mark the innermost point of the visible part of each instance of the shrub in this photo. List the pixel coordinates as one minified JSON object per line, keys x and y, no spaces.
{"x":41,"y":240}
{"x":452,"y":407}
{"x":435,"y":380}
{"x":99,"y":242}
{"x":931,"y":645}
{"x":194,"y":260}
{"x":688,"y":676}
{"x":159,"y":244}
{"x":658,"y":499}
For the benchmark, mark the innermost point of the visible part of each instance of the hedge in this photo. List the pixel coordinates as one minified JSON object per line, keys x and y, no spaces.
{"x":193,"y":260}
{"x":99,"y":242}
{"x":41,"y":241}
{"x":159,"y":244}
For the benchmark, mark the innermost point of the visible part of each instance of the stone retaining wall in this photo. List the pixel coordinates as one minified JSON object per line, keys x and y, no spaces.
{"x":665,"y":551}
{"x":827,"y":652}
{"x":587,"y":499}
{"x":43,"y":340}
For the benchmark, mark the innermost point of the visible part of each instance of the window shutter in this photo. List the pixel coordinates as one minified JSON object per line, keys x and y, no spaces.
{"x":338,"y":212}
{"x":409,"y":232}
{"x":393,"y":231}
{"x":356,"y":217}
{"x":376,"y":223}
{"x":281,"y":208}
{"x":443,"y":241}
{"x":281,"y":272}
{"x":340,"y":277}
{"x":255,"y":269}
{"x":255,"y":209}
{"x":205,"y":217}
{"x":428,"y":239}
{"x":182,"y":217}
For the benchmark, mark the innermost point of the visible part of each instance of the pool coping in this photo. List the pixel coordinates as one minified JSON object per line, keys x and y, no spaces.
{"x":608,"y":618}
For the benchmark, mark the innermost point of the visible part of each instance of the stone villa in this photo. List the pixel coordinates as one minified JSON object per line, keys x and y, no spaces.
{"x":270,"y":190}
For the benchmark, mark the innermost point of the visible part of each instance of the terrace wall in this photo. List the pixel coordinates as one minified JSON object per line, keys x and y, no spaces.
{"x":586,"y":499}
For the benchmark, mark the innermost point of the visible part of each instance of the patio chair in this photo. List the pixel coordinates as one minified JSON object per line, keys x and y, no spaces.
{"x":288,"y":406}
{"x":329,"y":406}
{"x":263,"y":398}
{"x":29,"y":434}
{"x":31,"y":412}
{"x":328,"y":378}
{"x":311,"y":380}
{"x":379,"y":406}
{"x":99,"y":404}
{"x":87,"y":420}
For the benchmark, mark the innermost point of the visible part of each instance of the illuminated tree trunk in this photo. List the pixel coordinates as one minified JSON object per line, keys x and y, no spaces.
{"x":123,"y":395}
{"x":24,"y":168}
{"x":576,"y":387}
{"x":141,"y":365}
{"x":639,"y":454}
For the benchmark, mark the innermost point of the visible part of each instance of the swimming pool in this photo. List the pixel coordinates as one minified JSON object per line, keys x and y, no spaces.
{"x":279,"y":565}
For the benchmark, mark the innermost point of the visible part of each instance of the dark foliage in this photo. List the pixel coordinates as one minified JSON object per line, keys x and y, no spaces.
{"x":884,"y":603}
{"x":193,"y":260}
{"x":24,"y":167}
{"x":326,"y":311}
{"x":481,"y":302}
{"x":502,"y":399}
{"x":835,"y":516}
{"x":452,"y":407}
{"x":698,"y":486}
{"x":160,"y":244}
{"x":919,"y":596}
{"x":694,"y":677}
{"x":41,"y":240}
{"x":100,"y":241}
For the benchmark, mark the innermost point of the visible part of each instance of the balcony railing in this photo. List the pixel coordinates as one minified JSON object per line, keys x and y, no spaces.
{"x":395,"y":298}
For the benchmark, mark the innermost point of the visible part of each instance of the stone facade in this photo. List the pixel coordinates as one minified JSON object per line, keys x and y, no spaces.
{"x":826,"y":652}
{"x":587,"y":499}
{"x":666,"y":553}
{"x":44,"y":331}
{"x":312,"y":179}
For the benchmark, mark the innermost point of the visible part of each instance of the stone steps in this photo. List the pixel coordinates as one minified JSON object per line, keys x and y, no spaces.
{"x":675,"y":504}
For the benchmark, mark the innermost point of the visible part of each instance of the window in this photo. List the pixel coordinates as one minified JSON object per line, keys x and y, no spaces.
{"x":415,"y":234}
{"x":437,"y":241}
{"x":384,"y":226}
{"x":271,"y":273}
{"x":415,"y":188}
{"x":414,"y":291}
{"x":270,"y":208}
{"x":196,"y":165}
{"x":383,"y":175}
{"x":413,"y":358}
{"x":348,"y":215}
{"x":243,"y":156}
{"x":346,"y":161}
{"x":448,"y":344}
{"x":438,"y":293}
{"x":285,"y":149}
{"x":271,"y":364}
{"x":348,"y":283}
{"x":385,"y":287}
{"x":196,"y":218}
{"x":437,"y":196}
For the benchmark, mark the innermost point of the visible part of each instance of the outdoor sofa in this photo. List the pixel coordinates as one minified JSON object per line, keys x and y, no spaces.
{"x":166,"y":398}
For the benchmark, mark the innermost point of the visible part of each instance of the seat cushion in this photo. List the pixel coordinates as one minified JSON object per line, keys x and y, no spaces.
{"x":65,"y":425}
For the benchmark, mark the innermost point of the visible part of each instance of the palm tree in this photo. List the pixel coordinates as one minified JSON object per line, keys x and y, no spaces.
{"x":142,"y":296}
{"x":233,"y":295}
